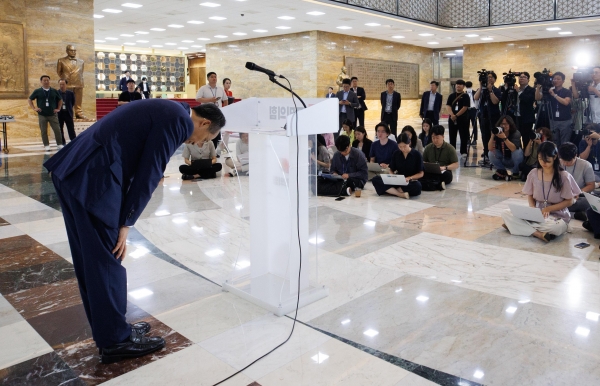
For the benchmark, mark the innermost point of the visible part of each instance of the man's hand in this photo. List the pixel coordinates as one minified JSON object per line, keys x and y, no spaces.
{"x":453,"y":117}
{"x":121,"y":248}
{"x":589,"y":142}
{"x":593,"y":90}
{"x":490,"y":86}
{"x":384,"y":166}
{"x":501,"y":135}
{"x":56,"y":111}
{"x":345,"y":176}
{"x":552,"y":92}
{"x":187,"y":161}
{"x":37,"y":109}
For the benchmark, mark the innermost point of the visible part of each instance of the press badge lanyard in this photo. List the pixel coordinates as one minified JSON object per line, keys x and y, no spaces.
{"x":214,"y":93}
{"x":574,"y":166}
{"x":544,"y":191}
{"x":437,"y":156}
{"x":47,"y":94}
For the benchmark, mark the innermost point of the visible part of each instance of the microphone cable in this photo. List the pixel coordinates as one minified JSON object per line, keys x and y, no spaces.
{"x":299,"y":246}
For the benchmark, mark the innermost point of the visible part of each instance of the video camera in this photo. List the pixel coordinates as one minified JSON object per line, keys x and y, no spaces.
{"x":544,"y":79}
{"x":582,"y":79}
{"x":483,"y":77}
{"x":510,"y":79}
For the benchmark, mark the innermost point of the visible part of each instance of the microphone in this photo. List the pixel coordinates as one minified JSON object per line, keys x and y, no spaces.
{"x":253,"y":67}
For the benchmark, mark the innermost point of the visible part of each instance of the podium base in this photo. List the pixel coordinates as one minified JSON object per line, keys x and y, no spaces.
{"x":266,"y":291}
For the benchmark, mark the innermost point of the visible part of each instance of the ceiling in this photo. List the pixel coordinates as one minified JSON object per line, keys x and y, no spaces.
{"x":244,"y":17}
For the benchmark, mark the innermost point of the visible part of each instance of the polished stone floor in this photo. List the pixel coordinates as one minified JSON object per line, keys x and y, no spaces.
{"x":424,"y":291}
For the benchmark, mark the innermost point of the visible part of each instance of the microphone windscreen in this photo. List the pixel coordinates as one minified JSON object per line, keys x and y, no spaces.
{"x":250,"y":65}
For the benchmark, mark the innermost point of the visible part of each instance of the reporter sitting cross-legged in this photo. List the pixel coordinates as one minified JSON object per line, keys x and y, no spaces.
{"x":442,"y":153}
{"x":350,"y":164}
{"x":407,"y":162}
{"x":200,"y":161}
{"x":583,"y":174}
{"x":382,"y":150}
{"x":551,"y":189}
{"x":505,"y":148}
{"x":362,"y":141}
{"x":530,"y":152}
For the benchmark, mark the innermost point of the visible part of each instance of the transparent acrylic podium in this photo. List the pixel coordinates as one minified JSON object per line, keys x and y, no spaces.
{"x":282,"y":194}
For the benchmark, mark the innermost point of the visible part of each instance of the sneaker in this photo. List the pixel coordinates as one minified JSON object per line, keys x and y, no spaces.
{"x":581,"y":216}
{"x":348,"y":191}
{"x":187,"y":177}
{"x":587,"y":226}
{"x":60,"y":147}
{"x":516,"y":175}
{"x":47,"y":148}
{"x":232,"y":173}
{"x":442,"y":185}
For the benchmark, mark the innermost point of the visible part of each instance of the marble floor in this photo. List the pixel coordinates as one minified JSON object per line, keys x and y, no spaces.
{"x":421,"y":292}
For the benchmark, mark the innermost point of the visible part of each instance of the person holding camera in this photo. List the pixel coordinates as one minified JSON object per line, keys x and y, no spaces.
{"x":553,"y":191}
{"x":589,"y":148}
{"x":582,"y":173}
{"x":489,"y":99}
{"x":457,"y":107}
{"x":524,"y":113}
{"x":505,"y":148}
{"x":594,"y":92}
{"x":542,"y":134}
{"x":560,"y":109}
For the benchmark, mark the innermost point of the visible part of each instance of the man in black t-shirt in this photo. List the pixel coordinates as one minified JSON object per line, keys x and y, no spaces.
{"x":130,"y":95}
{"x":489,"y":98}
{"x":458,"y":108}
{"x":560,"y":109}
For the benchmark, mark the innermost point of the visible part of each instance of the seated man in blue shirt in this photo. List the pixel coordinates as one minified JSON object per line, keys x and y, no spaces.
{"x":348,"y":169}
{"x":589,"y":148}
{"x":382,"y":150}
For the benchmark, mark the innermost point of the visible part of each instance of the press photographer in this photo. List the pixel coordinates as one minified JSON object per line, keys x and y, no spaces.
{"x":586,"y":85}
{"x":589,"y":148}
{"x":517,"y":101}
{"x":505,"y":149}
{"x":489,"y":97}
{"x":557,"y":106}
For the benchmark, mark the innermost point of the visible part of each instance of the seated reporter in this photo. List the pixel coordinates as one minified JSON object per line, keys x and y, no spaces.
{"x":551,"y":189}
{"x":530,"y":152}
{"x":319,"y":154}
{"x":242,"y":155}
{"x":200,"y":161}
{"x":505,"y":149}
{"x":362,"y":141}
{"x":415,"y":142}
{"x":425,"y":134}
{"x":582,"y":173}
{"x":350,"y":164}
{"x":407,"y":162}
{"x":130,"y":94}
{"x":348,"y":129}
{"x":589,"y":148}
{"x":382,"y":150}
{"x":442,"y":153}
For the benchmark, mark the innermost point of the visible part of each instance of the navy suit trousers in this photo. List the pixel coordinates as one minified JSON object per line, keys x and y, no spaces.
{"x":101,"y":277}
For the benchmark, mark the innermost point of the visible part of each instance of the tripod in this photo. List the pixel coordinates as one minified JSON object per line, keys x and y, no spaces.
{"x":544,"y":110}
{"x":485,"y":101}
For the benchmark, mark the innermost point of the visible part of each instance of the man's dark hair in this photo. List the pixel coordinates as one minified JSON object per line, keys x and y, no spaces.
{"x":460,"y":81}
{"x":64,"y":80}
{"x":210,"y":73}
{"x":346,"y":81}
{"x":511,"y":123}
{"x":567,"y":151}
{"x":225,"y":80}
{"x":127,"y":72}
{"x":144,"y":78}
{"x":559,"y":74}
{"x":131,"y":81}
{"x":437,"y":84}
{"x":595,"y":127}
{"x":330,"y":88}
{"x":468,"y":84}
{"x":351,"y":79}
{"x":342,"y":142}
{"x":388,"y":81}
{"x":44,"y":76}
{"x":437,"y":130}
{"x":213,"y":114}
{"x":385,"y":125}
{"x":526,"y":74}
{"x":494,"y":75}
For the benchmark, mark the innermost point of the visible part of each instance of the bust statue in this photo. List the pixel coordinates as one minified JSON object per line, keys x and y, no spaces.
{"x":343,"y":75}
{"x":71,"y":69}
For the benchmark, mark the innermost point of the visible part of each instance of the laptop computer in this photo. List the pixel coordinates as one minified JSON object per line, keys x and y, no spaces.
{"x":393,"y":179}
{"x":331,"y":176}
{"x":375,"y":167}
{"x":432,"y":167}
{"x":594,"y":201}
{"x":527,"y":213}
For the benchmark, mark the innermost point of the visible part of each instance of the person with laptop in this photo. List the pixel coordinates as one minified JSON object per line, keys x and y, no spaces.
{"x":439,"y":160}
{"x":382,"y":150}
{"x":406,"y":162}
{"x":348,"y":171}
{"x":505,"y":148}
{"x":200,"y":161}
{"x":362,"y":141}
{"x":550,"y":189}
{"x":583,"y":174}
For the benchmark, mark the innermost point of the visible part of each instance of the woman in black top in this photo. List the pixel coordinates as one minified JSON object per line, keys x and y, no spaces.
{"x":407,"y":162}
{"x":362,"y":142}
{"x":425,"y":135}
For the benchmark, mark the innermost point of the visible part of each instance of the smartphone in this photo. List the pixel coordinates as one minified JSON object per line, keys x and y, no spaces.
{"x":219,"y":98}
{"x":340,"y":198}
{"x":582,"y":245}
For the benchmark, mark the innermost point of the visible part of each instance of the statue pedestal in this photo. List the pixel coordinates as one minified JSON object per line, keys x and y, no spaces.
{"x":82,"y":124}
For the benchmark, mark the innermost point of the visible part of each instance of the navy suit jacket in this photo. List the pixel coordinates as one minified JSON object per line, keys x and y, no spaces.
{"x":396,"y":103}
{"x":113,"y":167}
{"x":123,"y":83}
{"x":360,"y":92}
{"x":68,"y":102}
{"x":437,"y":105}
{"x":353,"y":103}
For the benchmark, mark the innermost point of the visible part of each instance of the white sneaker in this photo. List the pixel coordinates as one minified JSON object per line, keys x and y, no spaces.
{"x":47,"y":148}
{"x":60,"y":147}
{"x":443,"y":185}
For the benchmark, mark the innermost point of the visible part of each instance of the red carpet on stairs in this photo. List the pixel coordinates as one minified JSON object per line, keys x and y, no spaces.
{"x":106,"y":105}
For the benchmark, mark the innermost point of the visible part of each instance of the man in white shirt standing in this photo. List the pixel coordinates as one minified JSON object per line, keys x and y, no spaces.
{"x":594,"y":91}
{"x":472,"y":111}
{"x":211,"y":93}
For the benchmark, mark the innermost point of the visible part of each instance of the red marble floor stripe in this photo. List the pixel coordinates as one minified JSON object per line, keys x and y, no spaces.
{"x":84,"y":360}
{"x":254,"y":384}
{"x":64,"y":327}
{"x":23,"y":251}
{"x":43,"y":300}
{"x":47,"y":369}
{"x":3,"y":222}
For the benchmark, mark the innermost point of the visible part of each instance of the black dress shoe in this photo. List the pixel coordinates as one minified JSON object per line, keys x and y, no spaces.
{"x":581,"y":216}
{"x":139,"y":328}
{"x":187,"y":177}
{"x":136,"y":346}
{"x":587,"y":226}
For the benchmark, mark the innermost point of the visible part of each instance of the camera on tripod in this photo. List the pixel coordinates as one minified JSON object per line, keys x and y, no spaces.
{"x":544,"y":79}
{"x":582,"y":79}
{"x":483,"y":77}
{"x":510,"y":79}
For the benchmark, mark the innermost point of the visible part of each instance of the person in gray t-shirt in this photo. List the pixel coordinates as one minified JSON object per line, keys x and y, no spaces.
{"x":583,"y":173}
{"x":200,"y":162}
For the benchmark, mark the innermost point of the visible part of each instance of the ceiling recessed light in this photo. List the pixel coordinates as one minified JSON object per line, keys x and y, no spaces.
{"x":433,"y":43}
{"x":553,"y":29}
{"x":283,"y":27}
{"x":142,"y":32}
{"x":203,"y":50}
{"x":315,"y":13}
{"x":110,"y":10}
{"x":187,"y":41}
{"x":129,"y":44}
{"x":456,"y":281}
{"x":182,"y":48}
{"x":217,"y":18}
{"x":131,"y":5}
{"x":260,"y":30}
{"x":286,"y":17}
{"x":240,"y":33}
{"x":195,"y":22}
{"x":471,"y":35}
{"x":344,"y":27}
{"x":488,"y":38}
{"x":221,"y":36}
{"x":98,"y":16}
{"x":99,"y":41}
{"x":209,"y":4}
{"x":175,"y":26}
{"x":157,"y":46}
{"x":157,"y":29}
{"x":398,"y":37}
{"x":458,"y":50}
{"x":126,"y":35}
{"x":426,"y":34}
{"x":142,"y":41}
{"x":170,"y":44}
{"x":373,"y":24}
{"x":371,"y":333}
{"x":565,"y":33}
{"x":111,"y":38}
{"x":203,"y":39}
{"x":234,"y":46}
{"x":197,"y":46}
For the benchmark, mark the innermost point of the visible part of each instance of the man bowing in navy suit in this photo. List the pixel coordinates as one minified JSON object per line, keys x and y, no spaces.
{"x":104,"y":179}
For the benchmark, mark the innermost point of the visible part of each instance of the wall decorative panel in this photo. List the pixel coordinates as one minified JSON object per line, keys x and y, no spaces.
{"x":388,"y":6}
{"x":577,"y":8}
{"x":373,"y":74}
{"x":425,"y":10}
{"x":164,"y":73}
{"x":517,"y":11}
{"x":13,"y":64}
{"x":463,"y":13}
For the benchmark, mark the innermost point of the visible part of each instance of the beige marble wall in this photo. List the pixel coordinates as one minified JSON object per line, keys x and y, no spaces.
{"x":49,"y":26}
{"x":559,"y":54}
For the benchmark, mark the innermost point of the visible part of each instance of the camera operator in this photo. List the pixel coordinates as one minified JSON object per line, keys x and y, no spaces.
{"x":542,"y":134}
{"x":560,"y":109}
{"x":505,"y":148}
{"x":589,"y":148}
{"x":489,"y":97}
{"x":523,"y":113}
{"x":594,"y":91}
